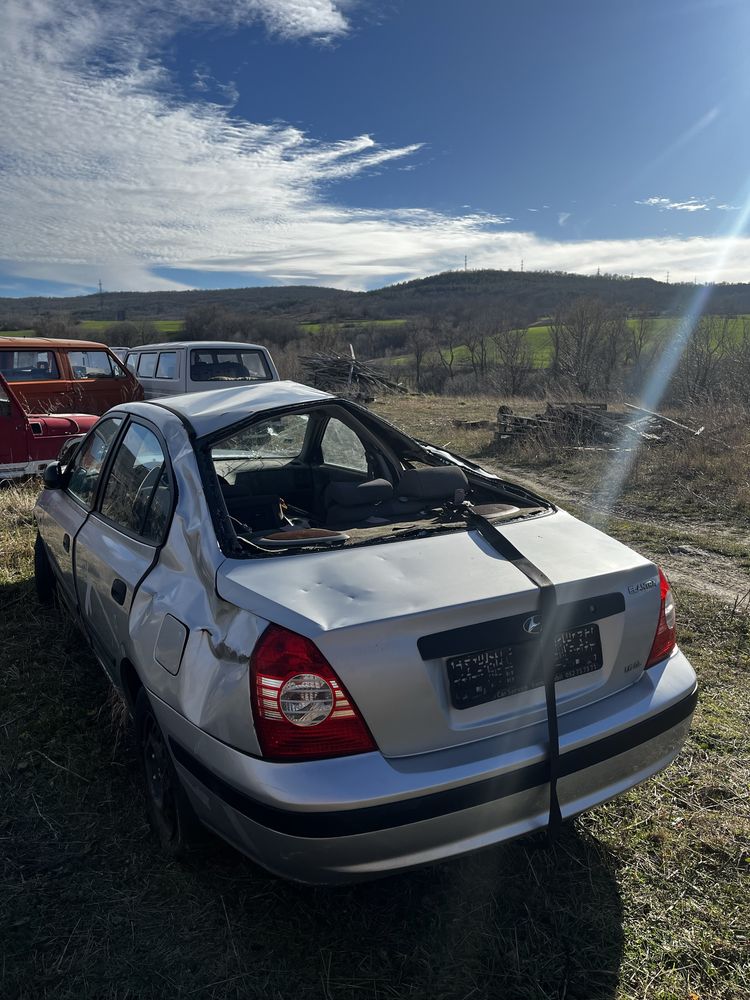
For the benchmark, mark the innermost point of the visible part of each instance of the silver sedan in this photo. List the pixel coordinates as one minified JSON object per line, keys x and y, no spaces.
{"x":346,"y":651}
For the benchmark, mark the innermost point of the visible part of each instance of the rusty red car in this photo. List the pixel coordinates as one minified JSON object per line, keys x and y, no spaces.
{"x":65,"y":376}
{"x":29,"y":442}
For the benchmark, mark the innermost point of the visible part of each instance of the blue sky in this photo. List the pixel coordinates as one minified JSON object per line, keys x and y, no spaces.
{"x":208,"y":143}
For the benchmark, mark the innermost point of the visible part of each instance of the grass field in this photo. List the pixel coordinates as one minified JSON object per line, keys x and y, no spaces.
{"x":90,"y":327}
{"x":352,"y":324}
{"x":540,"y":344}
{"x":161,"y":325}
{"x":646,"y":897}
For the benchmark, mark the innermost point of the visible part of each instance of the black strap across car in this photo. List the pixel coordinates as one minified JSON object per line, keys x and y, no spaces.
{"x":545,"y":659}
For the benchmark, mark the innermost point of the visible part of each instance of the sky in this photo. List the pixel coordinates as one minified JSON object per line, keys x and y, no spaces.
{"x":171,"y":144}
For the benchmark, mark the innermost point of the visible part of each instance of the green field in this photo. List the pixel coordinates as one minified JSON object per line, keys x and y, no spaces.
{"x":92,"y":327}
{"x":351,"y":324}
{"x":162,"y":325}
{"x":541,"y":344}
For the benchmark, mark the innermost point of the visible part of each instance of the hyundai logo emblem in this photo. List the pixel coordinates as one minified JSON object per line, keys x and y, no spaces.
{"x":533,"y":625}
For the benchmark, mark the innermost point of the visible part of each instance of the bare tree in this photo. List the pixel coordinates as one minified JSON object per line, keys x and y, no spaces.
{"x":329,"y":339}
{"x":641,"y":328}
{"x":703,"y":362}
{"x":447,"y":341}
{"x":582,"y":336}
{"x":513,"y":352}
{"x":475,"y":335}
{"x":614,"y":343}
{"x":419,"y":341}
{"x":56,"y":325}
{"x":557,"y":342}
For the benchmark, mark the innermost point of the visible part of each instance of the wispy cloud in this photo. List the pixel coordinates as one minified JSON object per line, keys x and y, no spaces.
{"x":106,"y":173}
{"x":562,"y":218}
{"x":667,"y":204}
{"x":206,"y":83}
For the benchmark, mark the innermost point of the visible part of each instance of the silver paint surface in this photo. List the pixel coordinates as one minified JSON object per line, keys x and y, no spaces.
{"x":365,"y":608}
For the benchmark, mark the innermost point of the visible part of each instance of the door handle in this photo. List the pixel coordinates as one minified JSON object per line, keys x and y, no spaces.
{"x":119,"y":591}
{"x":66,"y":542}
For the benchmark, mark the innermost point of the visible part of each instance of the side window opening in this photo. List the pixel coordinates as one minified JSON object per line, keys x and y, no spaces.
{"x":342,"y":447}
{"x":147,"y":365}
{"x":228,"y":365}
{"x":92,"y":364}
{"x":84,"y":470}
{"x":167,"y":366}
{"x":137,"y":494}
{"x":28,"y":366}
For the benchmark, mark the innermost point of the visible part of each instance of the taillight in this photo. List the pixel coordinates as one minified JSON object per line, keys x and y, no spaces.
{"x":666,"y":631}
{"x":302,"y":711}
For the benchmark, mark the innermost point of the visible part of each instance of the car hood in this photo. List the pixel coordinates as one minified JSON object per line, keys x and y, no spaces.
{"x":62,"y":423}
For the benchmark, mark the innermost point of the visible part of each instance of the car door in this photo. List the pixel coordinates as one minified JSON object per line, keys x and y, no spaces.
{"x":120,"y":541}
{"x":98,"y":380}
{"x":14,"y":445}
{"x":61,"y":513}
{"x":166,"y":380}
{"x":146,"y":371}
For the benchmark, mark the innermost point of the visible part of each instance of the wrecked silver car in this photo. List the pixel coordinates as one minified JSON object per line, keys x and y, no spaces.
{"x":348,"y":652}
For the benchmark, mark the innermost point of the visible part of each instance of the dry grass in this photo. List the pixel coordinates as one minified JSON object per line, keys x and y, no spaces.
{"x":646,"y":897}
{"x":700,"y":480}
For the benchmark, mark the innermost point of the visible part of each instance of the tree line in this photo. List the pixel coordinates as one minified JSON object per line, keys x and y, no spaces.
{"x":587,"y":348}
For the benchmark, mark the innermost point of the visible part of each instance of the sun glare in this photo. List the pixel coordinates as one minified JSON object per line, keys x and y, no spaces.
{"x":657,"y":382}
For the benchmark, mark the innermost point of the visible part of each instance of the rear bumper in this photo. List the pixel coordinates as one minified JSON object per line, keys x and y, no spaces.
{"x":366,"y":816}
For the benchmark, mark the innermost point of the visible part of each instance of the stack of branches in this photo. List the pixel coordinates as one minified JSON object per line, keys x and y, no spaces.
{"x":589,"y":425}
{"x":338,"y":373}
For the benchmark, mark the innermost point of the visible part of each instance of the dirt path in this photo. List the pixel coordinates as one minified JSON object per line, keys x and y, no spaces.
{"x":689,"y":561}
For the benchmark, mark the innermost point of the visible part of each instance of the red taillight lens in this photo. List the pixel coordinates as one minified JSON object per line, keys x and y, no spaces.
{"x":665,"y":639}
{"x":302,"y":711}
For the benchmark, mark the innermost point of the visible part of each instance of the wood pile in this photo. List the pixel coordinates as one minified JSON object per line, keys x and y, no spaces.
{"x":338,"y":373}
{"x":590,"y":424}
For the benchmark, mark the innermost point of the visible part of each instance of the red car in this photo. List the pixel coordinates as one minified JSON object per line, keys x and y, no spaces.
{"x":65,"y":376}
{"x":29,"y":442}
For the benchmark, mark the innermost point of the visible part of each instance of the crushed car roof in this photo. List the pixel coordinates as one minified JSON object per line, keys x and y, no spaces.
{"x":209,"y":412}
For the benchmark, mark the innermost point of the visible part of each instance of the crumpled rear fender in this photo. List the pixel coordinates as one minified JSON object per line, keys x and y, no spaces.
{"x":211,"y":687}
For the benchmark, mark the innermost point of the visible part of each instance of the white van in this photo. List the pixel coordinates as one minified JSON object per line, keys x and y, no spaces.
{"x":197,"y":365}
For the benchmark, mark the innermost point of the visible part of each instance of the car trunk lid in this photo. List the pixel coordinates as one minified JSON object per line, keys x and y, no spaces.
{"x":413,"y":628}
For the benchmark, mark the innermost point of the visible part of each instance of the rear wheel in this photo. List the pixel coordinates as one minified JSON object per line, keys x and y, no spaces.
{"x":170,"y":814}
{"x":44,"y":577}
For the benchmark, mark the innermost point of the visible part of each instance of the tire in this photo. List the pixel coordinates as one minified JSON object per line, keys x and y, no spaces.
{"x":170,"y":815}
{"x":44,"y":577}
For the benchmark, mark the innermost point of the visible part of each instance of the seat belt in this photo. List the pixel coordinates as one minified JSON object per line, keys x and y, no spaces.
{"x":545,"y":652}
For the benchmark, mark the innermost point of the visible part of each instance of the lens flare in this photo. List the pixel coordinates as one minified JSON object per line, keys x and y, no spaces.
{"x":658,"y":380}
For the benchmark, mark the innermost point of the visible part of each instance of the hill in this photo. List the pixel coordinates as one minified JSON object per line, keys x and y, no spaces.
{"x":533,"y":294}
{"x":300,"y":301}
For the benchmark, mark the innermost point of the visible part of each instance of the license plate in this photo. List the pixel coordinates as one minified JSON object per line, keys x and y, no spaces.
{"x":491,"y":674}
